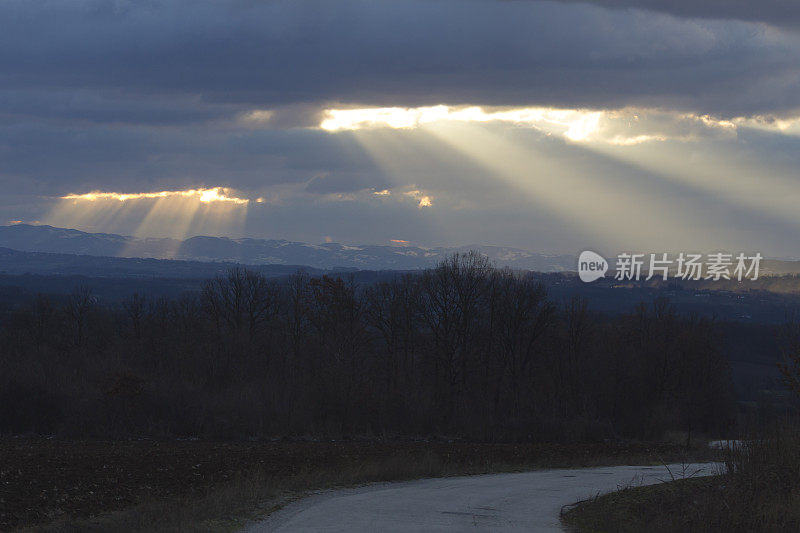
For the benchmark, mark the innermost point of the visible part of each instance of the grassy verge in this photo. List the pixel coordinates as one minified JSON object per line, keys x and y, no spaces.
{"x":49,"y":485}
{"x":672,"y":506}
{"x":759,"y":492}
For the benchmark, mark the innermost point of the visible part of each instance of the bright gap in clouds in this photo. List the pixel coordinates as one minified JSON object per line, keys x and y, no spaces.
{"x":216,"y":194}
{"x":572,"y":190}
{"x":574,"y":124}
{"x":175,"y":214}
{"x":622,"y":127}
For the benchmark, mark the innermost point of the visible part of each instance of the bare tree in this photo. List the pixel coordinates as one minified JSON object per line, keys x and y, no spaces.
{"x":242,"y":300}
{"x":135,"y":308}
{"x":77,"y":308}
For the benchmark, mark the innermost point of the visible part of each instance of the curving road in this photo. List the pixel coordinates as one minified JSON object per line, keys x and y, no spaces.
{"x":529,"y":501}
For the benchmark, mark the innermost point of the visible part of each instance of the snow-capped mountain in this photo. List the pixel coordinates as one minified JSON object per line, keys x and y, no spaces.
{"x":261,"y":251}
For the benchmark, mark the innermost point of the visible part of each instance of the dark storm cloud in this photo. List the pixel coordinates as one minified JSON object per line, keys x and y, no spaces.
{"x":778,"y":12}
{"x":346,"y":183}
{"x":88,"y":106}
{"x":60,"y":159}
{"x":156,"y":95}
{"x":271,"y":54}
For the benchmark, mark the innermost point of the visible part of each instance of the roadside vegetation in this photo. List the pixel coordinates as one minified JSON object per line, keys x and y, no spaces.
{"x":760,"y":491}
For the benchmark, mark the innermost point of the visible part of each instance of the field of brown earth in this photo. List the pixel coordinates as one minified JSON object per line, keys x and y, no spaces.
{"x":47,"y":480}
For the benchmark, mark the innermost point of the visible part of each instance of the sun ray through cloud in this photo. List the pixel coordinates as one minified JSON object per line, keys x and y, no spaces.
{"x":717,"y":171}
{"x":592,"y":203}
{"x":171,"y":213}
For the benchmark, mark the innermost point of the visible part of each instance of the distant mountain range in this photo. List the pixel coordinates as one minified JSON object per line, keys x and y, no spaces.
{"x":48,"y":239}
{"x":16,"y":262}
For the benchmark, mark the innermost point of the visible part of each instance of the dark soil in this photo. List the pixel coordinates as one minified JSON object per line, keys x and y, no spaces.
{"x":42,"y":480}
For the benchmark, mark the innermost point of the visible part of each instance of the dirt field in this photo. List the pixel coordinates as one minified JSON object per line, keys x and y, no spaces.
{"x":44,"y":480}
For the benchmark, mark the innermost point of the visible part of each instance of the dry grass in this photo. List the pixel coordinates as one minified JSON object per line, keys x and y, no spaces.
{"x":759,"y":492}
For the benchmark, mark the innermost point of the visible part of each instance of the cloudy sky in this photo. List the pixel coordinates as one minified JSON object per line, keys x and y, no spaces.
{"x":549,"y":125}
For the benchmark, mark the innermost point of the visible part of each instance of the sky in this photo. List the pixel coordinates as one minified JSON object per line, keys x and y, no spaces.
{"x":554,"y":126}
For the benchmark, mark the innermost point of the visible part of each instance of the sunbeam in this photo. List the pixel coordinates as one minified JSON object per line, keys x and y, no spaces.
{"x":717,"y":170}
{"x":591,"y":202}
{"x":173,"y":214}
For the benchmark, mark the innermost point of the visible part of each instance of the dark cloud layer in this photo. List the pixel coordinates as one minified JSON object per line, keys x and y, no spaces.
{"x":159,"y":95}
{"x":417,"y":52}
{"x":778,"y":12}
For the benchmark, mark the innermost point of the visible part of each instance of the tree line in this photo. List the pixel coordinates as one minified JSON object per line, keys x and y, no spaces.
{"x":462,"y":350}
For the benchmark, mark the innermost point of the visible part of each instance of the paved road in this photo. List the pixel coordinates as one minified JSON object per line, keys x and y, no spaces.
{"x":529,"y":501}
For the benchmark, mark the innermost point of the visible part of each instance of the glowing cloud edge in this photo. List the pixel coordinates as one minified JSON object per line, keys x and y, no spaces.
{"x":214,"y":194}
